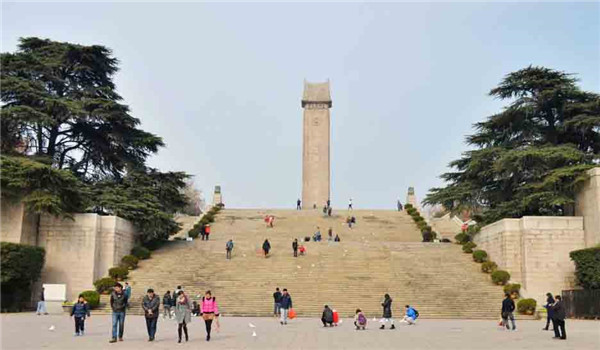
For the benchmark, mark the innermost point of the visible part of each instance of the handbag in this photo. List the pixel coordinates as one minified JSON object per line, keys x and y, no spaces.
{"x":291,"y":314}
{"x":207,"y":316}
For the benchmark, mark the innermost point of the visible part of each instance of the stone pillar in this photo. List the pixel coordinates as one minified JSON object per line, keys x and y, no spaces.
{"x":587,"y":204}
{"x":411,"y":198}
{"x":217,"y":196}
{"x":316,"y":102}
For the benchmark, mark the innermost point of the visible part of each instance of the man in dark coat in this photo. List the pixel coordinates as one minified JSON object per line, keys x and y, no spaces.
{"x":286,"y":305}
{"x":387,"y":312}
{"x":548,"y":307}
{"x":295,"y":247}
{"x":277,"y":303}
{"x":118,"y":303}
{"x":558,"y":319}
{"x":266,"y":247}
{"x":508,"y":306}
{"x":150,"y":304}
{"x":327,"y":317}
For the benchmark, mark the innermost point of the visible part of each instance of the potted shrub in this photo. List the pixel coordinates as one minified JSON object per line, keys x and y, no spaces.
{"x":489,"y":267}
{"x":462,"y":238}
{"x":500,"y":277}
{"x":526,"y":306}
{"x":140,"y":252}
{"x":480,"y":256}
{"x":119,"y":273}
{"x":512,"y":289}
{"x":468,"y":247}
{"x":92,"y":297}
{"x":129,"y":261}
{"x":104,"y":285}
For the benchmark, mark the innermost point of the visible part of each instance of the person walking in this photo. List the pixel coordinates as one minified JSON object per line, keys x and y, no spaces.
{"x":203,"y":232}
{"x":286,"y":305}
{"x":387,"y":312}
{"x":207,"y":231}
{"x":558,"y":320}
{"x":228,"y":249}
{"x":79,"y":311}
{"x":298,"y":204}
{"x":277,"y":303}
{"x":329,"y":211}
{"x":167,"y":301}
{"x":350,"y":204}
{"x":327,"y":316}
{"x":209,"y":311}
{"x":41,"y":305}
{"x":399,"y":205}
{"x":266,"y":247}
{"x":295,"y":247}
{"x":549,"y":303}
{"x":183,"y":314}
{"x":118,"y":304}
{"x":328,"y":203}
{"x":150,"y":304}
{"x":127,"y":292}
{"x":508,"y":306}
{"x":330,"y":234}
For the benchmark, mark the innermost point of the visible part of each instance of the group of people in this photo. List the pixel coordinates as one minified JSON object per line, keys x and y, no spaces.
{"x":178,"y":305}
{"x":327,"y":208}
{"x":555,"y":314}
{"x":282,"y":305}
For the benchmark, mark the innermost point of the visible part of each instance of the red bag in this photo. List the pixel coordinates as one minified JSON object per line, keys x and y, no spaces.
{"x":291,"y":314}
{"x":336,"y":317}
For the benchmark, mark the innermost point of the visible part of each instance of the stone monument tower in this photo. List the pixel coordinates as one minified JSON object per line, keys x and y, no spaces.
{"x":316,"y":102}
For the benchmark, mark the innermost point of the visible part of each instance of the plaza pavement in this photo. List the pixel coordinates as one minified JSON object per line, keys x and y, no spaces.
{"x":28,"y":331}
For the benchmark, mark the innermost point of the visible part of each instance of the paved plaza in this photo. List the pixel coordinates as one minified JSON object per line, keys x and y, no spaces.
{"x":28,"y":331}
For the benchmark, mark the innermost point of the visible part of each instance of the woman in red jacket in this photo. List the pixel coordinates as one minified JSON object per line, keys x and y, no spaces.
{"x":209,"y":310}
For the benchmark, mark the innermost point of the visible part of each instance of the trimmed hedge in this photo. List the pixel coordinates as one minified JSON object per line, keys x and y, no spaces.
{"x":20,"y":266}
{"x":512,"y":288}
{"x":92,"y":297}
{"x":104,"y":285}
{"x":468,"y":247}
{"x":129,"y":261}
{"x":587,"y":267}
{"x":408,"y":206}
{"x":500,"y":277}
{"x":208,"y":218}
{"x":118,"y":272}
{"x":480,"y":256}
{"x":489,"y":267}
{"x":526,"y":306}
{"x":140,"y":252}
{"x":462,"y":238}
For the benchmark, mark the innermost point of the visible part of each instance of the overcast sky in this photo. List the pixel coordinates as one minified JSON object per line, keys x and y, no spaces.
{"x":221,"y":83}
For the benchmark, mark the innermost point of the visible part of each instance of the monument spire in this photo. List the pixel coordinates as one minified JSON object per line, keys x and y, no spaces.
{"x":316,"y":101}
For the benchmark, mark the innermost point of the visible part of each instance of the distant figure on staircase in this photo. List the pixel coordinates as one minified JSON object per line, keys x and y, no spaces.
{"x":183,"y":314}
{"x":229,"y":248}
{"x":328,"y":203}
{"x":317,"y":235}
{"x":286,"y":305}
{"x":269,"y":220}
{"x":330,"y":234}
{"x":327,"y":317}
{"x":266,"y":247}
{"x":207,"y":231}
{"x":302,"y":250}
{"x":298,"y":204}
{"x":350,"y":204}
{"x":329,"y":211}
{"x":277,"y":303}
{"x":387,"y":312}
{"x":295,"y":247}
{"x":325,"y":210}
{"x":337,"y":238}
{"x":350,"y":220}
{"x":399,"y":205}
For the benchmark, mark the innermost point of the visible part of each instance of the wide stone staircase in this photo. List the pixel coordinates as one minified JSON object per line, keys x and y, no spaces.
{"x":381,"y":254}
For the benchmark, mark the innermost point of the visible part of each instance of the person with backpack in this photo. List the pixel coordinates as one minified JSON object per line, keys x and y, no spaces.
{"x":167,"y":300}
{"x":295,"y":247}
{"x":209,"y":311}
{"x":327,"y":316}
{"x":360,"y":320}
{"x":411,"y":315}
{"x":229,"y":248}
{"x":80,"y":310}
{"x":387,"y":312}
{"x":508,"y":306}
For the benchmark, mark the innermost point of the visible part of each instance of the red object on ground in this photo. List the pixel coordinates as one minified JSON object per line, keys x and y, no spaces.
{"x":291,"y":314}
{"x":336,"y":317}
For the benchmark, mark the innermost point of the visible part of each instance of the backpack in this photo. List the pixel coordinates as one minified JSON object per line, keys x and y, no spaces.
{"x":361,"y":318}
{"x":416,"y":313}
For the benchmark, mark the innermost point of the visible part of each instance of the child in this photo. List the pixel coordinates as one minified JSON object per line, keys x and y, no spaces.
{"x":80,"y":310}
{"x":360,"y":320}
{"x":302,"y":250}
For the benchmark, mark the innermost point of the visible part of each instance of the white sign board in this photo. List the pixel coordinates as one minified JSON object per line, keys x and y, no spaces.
{"x":55,"y":292}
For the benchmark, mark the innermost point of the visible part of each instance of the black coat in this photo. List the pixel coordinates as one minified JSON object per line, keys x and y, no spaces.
{"x":558,"y":311}
{"x":508,"y":305}
{"x":387,"y":308}
{"x":327,"y":315}
{"x":266,"y":246}
{"x":295,"y":245}
{"x":548,"y":306}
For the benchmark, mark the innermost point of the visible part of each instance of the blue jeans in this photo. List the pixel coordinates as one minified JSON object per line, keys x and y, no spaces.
{"x":118,"y":317}
{"x":151,"y":326}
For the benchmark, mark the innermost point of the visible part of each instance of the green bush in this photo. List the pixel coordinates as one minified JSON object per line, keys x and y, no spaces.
{"x":500,"y":277}
{"x":462,"y":238}
{"x":468,"y":247}
{"x":526,"y":306}
{"x":421,"y":225}
{"x":21,"y":265}
{"x":418,"y":219}
{"x":129,"y":261}
{"x":489,"y":267}
{"x":587,"y":267}
{"x":512,"y":288}
{"x":92,"y":297}
{"x":408,"y":206}
{"x":104,"y":285}
{"x":195,"y":231}
{"x":480,"y":256}
{"x":140,"y":252}
{"x":427,"y":228}
{"x":411,"y":211}
{"x":118,"y":272}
